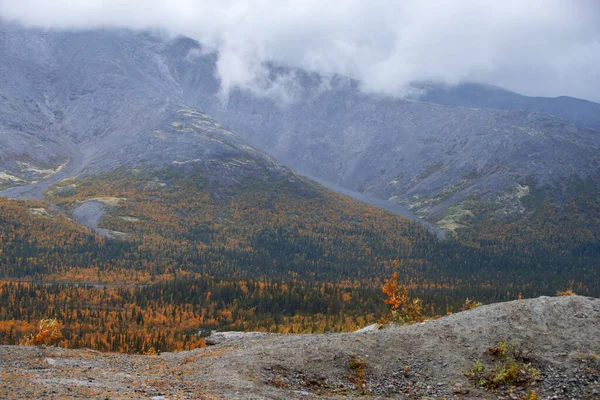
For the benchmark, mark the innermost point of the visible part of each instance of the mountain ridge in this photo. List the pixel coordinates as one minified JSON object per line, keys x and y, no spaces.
{"x":580,"y":111}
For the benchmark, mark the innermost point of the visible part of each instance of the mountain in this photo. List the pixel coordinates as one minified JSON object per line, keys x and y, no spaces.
{"x":427,"y":157}
{"x":90,"y":102}
{"x":99,"y":129}
{"x":578,"y":111}
{"x":546,"y":346}
{"x":116,"y":186}
{"x":141,"y":207}
{"x":84,"y":93}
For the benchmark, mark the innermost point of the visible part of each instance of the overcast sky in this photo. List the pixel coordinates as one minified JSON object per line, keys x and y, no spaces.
{"x":535,"y":47}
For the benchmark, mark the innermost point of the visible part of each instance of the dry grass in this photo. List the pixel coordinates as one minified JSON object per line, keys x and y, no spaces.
{"x":567,"y":292}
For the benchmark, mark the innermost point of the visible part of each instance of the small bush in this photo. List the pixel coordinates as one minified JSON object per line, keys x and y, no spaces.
{"x":566,"y":292}
{"x":514,"y":373}
{"x":406,"y":370}
{"x":49,"y":330}
{"x":478,"y":367}
{"x":510,"y":369}
{"x":404,"y":308}
{"x":501,"y":349}
{"x":358,"y":366}
{"x":470,"y":304}
{"x":531,"y":395}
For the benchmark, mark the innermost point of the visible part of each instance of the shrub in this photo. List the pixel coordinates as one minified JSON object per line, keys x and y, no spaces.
{"x":470,"y":304}
{"x":510,"y":369}
{"x":566,"y":292}
{"x":404,"y":308}
{"x":531,"y":395}
{"x":49,"y":330}
{"x":358,"y":366}
{"x":501,"y":349}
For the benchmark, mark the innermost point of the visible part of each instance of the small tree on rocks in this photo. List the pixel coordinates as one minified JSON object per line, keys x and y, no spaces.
{"x":404,"y":308}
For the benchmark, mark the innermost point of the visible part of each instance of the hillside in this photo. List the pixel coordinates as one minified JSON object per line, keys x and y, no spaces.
{"x":493,"y":169}
{"x":76,"y":97}
{"x":137,"y":219}
{"x":557,"y":336}
{"x":427,"y":157}
{"x":79,"y":104}
{"x":171,"y":252}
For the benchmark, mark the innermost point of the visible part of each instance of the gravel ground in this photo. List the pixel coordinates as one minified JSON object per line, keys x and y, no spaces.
{"x":560,"y":336}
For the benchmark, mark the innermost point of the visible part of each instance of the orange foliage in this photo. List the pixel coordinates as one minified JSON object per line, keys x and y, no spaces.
{"x":49,"y":331}
{"x":404,"y":308}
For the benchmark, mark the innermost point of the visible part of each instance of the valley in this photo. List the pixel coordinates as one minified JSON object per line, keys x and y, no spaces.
{"x":143,"y":209}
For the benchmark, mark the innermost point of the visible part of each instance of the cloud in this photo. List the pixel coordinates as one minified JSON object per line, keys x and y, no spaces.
{"x":535,"y":47}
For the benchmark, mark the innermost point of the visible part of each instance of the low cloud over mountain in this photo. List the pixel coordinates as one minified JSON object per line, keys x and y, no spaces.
{"x":543,"y":48}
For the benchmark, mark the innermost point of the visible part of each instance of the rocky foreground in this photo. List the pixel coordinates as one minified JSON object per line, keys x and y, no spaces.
{"x":559,"y":337}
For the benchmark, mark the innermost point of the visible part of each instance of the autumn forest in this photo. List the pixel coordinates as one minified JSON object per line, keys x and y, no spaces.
{"x":191,"y":257}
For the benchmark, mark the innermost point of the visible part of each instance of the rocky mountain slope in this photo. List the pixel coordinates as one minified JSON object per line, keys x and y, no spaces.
{"x":425,"y":156}
{"x":85,"y":101}
{"x":558,"y":337}
{"x":81,"y":103}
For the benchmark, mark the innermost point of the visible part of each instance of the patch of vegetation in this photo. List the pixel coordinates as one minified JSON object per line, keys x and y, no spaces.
{"x":406,"y":370}
{"x":532,"y":395}
{"x":49,"y":331}
{"x":470,"y":304}
{"x":452,"y":218}
{"x":358,"y":368}
{"x":566,"y":292}
{"x":421,"y":204}
{"x":590,"y":355}
{"x":510,"y":370}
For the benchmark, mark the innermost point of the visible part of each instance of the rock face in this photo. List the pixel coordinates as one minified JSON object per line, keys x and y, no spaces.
{"x":424,"y":156}
{"x":558,"y":336}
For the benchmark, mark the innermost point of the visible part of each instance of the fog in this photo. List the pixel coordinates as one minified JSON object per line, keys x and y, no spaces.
{"x":534,"y":47}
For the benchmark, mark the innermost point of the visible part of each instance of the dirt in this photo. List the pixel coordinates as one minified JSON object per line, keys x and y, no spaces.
{"x":559,"y":336}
